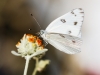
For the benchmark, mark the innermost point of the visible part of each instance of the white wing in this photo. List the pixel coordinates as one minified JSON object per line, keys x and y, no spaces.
{"x":67,"y":32}
{"x":65,"y":43}
{"x":69,"y":23}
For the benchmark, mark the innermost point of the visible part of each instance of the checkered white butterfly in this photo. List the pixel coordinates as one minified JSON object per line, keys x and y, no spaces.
{"x":64,"y":33}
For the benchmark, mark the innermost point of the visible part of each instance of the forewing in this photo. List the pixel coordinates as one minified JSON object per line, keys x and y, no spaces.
{"x":65,"y":43}
{"x":69,"y":23}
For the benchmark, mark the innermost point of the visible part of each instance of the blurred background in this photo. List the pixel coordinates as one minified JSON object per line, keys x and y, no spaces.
{"x":15,"y":21}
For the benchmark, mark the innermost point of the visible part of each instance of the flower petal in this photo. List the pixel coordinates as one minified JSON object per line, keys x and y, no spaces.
{"x":39,"y":52}
{"x":15,"y":53}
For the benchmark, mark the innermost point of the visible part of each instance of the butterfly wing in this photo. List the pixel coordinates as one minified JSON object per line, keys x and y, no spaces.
{"x":67,"y":37}
{"x":65,"y":43}
{"x":69,"y":23}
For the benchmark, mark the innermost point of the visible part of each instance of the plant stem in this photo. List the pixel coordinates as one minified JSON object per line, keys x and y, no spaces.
{"x":35,"y":70}
{"x":26,"y":65}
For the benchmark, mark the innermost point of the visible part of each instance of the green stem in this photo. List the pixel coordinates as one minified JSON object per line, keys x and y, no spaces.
{"x":35,"y":70}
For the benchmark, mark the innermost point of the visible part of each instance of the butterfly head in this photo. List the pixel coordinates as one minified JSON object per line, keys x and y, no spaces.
{"x":42,"y":33}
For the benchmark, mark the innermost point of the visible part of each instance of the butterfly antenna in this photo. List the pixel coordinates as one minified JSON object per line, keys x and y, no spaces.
{"x":36,"y":21}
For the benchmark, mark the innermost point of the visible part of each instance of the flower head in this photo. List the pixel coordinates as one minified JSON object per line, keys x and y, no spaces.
{"x":42,"y":64}
{"x":29,"y":45}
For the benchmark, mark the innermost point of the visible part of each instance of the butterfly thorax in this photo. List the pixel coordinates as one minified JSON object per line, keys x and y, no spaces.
{"x":43,"y":34}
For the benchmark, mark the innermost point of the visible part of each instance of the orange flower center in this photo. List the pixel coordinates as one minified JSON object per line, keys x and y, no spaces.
{"x":31,"y":39}
{"x":39,"y":42}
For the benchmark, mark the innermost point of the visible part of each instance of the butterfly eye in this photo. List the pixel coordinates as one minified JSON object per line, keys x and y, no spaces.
{"x":41,"y":32}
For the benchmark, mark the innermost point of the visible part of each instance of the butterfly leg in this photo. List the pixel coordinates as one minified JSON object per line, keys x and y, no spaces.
{"x":45,"y":42}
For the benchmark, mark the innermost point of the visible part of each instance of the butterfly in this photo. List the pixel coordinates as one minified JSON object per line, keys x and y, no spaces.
{"x":64,"y":33}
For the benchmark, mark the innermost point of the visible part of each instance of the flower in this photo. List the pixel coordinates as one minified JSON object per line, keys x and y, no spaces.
{"x":42,"y":64}
{"x":29,"y":45}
